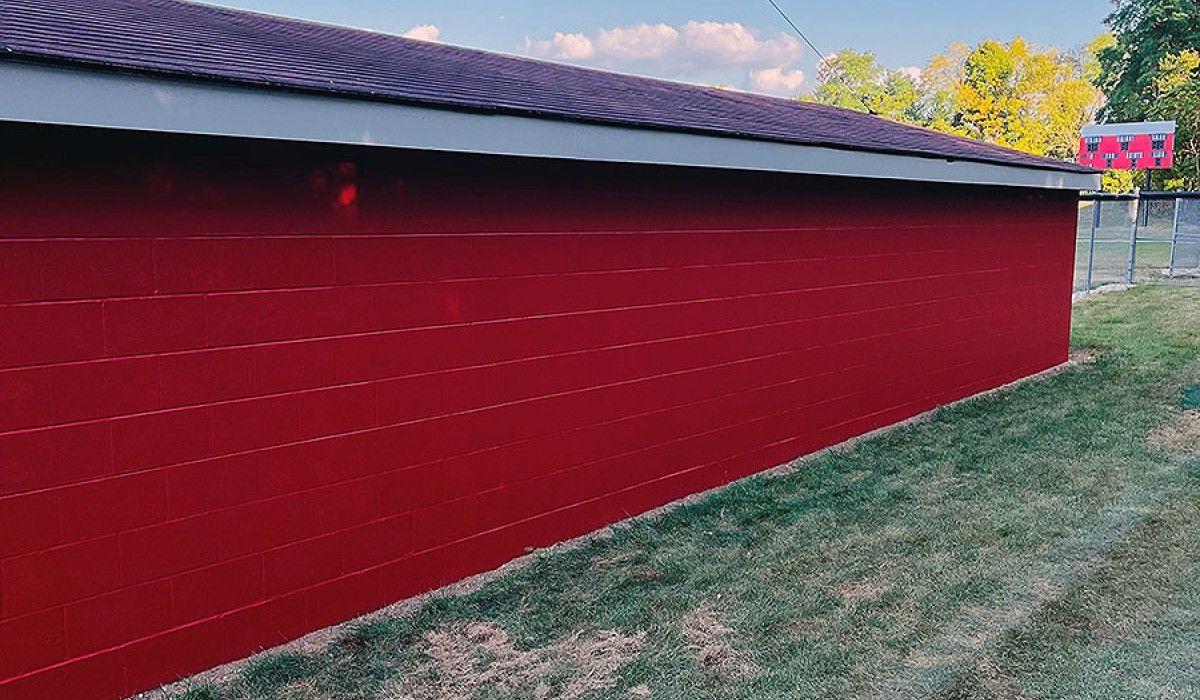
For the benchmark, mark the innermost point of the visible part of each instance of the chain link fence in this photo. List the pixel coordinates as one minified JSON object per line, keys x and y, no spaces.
{"x":1137,"y":238}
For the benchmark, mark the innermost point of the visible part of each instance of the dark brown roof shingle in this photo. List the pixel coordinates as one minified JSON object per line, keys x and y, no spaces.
{"x":213,"y":43}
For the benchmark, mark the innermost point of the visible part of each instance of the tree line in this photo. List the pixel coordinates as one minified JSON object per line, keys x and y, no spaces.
{"x":1036,"y":99}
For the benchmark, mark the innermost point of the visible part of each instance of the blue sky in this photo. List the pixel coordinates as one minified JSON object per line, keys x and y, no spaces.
{"x":743,"y":43}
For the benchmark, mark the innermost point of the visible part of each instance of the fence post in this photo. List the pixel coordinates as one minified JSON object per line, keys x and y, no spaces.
{"x":1092,"y":243}
{"x":1174,"y":237}
{"x":1133,"y":236}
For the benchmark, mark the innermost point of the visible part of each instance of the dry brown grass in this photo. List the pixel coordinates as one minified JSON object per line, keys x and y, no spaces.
{"x":1181,"y":435}
{"x":479,"y":659}
{"x":996,"y":682}
{"x":710,"y":642}
{"x":616,"y":560}
{"x":860,"y":590}
{"x":1082,"y":356}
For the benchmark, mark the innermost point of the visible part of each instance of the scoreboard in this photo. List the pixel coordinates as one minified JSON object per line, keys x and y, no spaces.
{"x":1129,"y":146}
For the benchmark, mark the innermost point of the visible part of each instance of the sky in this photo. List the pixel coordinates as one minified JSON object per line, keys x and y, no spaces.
{"x":743,"y":44}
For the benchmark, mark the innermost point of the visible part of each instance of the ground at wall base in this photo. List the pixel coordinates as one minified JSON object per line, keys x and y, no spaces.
{"x":319,"y":641}
{"x":976,"y":554}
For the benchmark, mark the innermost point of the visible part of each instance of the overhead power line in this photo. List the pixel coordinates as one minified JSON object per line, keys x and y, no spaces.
{"x":797,"y":29}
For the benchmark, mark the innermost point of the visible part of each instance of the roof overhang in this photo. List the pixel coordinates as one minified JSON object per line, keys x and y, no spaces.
{"x":75,"y":96}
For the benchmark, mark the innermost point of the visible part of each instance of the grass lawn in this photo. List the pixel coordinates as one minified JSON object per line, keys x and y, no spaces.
{"x":1041,"y":542}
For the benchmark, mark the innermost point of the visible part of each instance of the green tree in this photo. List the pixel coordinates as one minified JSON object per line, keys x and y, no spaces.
{"x":1018,"y":96}
{"x":857,"y":81}
{"x":1176,"y":91}
{"x":1147,"y":32}
{"x":902,"y":98}
{"x":1120,"y":181}
{"x":1012,"y":94}
{"x":940,"y":81}
{"x":1088,"y":58}
{"x":988,"y":106}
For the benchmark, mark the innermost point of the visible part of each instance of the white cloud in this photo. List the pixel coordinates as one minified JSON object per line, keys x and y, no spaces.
{"x":563,"y":47}
{"x":424,"y":32}
{"x":777,"y":81}
{"x":913,"y":73}
{"x":732,"y":43}
{"x":698,"y":51}
{"x":637,"y":43}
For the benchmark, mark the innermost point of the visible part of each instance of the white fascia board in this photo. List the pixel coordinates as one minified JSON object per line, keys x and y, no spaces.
{"x":52,"y":94}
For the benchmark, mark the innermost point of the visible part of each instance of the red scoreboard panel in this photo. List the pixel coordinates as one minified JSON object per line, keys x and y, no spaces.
{"x":1131,"y":146}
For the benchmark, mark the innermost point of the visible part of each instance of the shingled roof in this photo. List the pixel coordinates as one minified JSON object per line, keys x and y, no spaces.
{"x":203,"y":42}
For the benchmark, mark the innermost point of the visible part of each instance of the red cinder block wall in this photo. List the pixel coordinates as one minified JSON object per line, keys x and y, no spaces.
{"x":249,"y":390}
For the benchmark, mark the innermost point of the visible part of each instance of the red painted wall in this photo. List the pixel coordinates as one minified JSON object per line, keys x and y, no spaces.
{"x":251,"y":390}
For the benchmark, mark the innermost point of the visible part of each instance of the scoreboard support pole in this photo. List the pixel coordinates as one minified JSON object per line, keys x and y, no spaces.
{"x":1133,"y":238}
{"x":1174,"y":237}
{"x":1146,"y":209}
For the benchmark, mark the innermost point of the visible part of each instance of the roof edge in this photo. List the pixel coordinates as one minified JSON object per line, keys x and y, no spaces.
{"x":95,"y":97}
{"x":1047,"y":163}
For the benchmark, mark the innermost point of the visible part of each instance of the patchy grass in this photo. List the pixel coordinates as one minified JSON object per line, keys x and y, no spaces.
{"x":710,"y":642}
{"x":1035,"y":543}
{"x":271,"y":672}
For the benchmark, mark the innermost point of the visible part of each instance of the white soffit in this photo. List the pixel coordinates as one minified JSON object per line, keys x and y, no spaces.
{"x":51,"y":94}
